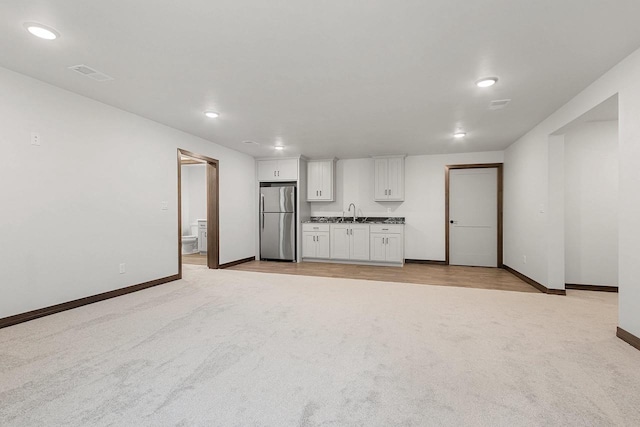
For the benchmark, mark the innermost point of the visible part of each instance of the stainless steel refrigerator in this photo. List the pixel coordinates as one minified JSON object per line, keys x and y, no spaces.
{"x":278,"y":221}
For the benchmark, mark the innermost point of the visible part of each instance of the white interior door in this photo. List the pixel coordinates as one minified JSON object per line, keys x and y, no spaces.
{"x":473,"y":217}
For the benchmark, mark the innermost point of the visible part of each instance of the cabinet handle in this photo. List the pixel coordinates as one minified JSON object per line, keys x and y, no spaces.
{"x":385,"y":229}
{"x":278,"y":173}
{"x":317,"y":193}
{"x":321,"y":192}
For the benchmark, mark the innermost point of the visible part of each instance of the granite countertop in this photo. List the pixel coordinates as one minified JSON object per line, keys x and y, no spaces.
{"x":361,"y":220}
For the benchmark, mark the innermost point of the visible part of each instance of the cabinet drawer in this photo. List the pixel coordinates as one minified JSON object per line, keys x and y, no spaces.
{"x":387,"y":228}
{"x":315,"y":227}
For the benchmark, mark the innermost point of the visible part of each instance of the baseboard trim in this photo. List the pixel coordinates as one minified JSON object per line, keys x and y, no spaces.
{"x":628,"y":337}
{"x":597,"y":288}
{"x":424,"y":261}
{"x":35,"y":314}
{"x":539,"y":286}
{"x":236,"y":262}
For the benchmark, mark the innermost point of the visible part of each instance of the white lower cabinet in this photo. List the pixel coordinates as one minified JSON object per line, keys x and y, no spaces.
{"x":387,"y":243}
{"x":374,"y":243}
{"x":315,"y":240}
{"x":202,"y":235}
{"x":350,"y":241}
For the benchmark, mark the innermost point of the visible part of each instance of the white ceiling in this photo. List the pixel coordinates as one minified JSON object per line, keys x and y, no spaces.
{"x":344,"y":78}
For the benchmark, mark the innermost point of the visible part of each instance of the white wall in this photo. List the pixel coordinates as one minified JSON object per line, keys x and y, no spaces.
{"x":184,"y":194}
{"x":194,"y":195}
{"x":591,"y":204}
{"x":90,"y":197}
{"x":423,"y":208}
{"x":527,"y":231}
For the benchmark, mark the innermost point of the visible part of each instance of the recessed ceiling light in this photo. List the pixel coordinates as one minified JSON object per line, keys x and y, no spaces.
{"x":212,"y":114}
{"x":279,"y":147}
{"x":42,"y":31}
{"x":487,"y":81}
{"x":459,"y":134}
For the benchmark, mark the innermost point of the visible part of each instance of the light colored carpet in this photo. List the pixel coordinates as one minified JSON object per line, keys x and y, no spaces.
{"x":231,"y":348}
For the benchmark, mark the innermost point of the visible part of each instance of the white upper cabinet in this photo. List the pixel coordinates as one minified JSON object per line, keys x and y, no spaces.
{"x":278,"y":170}
{"x":320,"y":180}
{"x":389,"y":179}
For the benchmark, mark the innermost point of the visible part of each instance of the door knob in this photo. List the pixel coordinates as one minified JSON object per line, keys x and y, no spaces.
{"x":453,"y":222}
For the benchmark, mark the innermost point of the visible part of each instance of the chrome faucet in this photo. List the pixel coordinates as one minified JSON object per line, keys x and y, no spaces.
{"x":354,"y":211}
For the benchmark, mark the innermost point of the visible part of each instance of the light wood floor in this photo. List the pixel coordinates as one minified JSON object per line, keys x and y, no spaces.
{"x":195,"y":259}
{"x":426,"y":274}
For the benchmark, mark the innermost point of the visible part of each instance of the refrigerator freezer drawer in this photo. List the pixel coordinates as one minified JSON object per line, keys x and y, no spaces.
{"x":277,"y":236}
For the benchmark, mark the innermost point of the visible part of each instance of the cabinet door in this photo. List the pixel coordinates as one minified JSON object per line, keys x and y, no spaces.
{"x":308,"y":245}
{"x":322,"y":245}
{"x":380,"y":184}
{"x":202,"y":240}
{"x":395,"y":177}
{"x":339,"y":241}
{"x":377,"y":247}
{"x":287,"y":170}
{"x":325,"y":183}
{"x":267,"y":170}
{"x":314,"y":178}
{"x":359,"y":242}
{"x":394,"y":248}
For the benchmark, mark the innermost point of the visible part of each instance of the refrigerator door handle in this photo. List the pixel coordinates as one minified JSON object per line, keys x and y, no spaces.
{"x":262,"y":202}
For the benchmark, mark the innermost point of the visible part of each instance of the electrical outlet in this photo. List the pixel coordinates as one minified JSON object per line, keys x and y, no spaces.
{"x":122,"y":268}
{"x":35,"y":138}
{"x":524,"y":259}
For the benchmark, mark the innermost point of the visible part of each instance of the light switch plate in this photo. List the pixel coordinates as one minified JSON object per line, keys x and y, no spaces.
{"x":35,"y":138}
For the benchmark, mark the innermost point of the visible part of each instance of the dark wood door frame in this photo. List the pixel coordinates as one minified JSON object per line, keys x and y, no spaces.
{"x":499,"y":167}
{"x":213,"y":207}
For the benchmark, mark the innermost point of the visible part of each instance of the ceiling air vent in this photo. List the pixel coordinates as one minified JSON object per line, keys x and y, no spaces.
{"x":498,"y":104}
{"x":91,"y":73}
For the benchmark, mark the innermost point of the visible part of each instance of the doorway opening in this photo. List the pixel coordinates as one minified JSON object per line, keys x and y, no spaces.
{"x":198,"y":210}
{"x":585,"y":173}
{"x":473,"y":215}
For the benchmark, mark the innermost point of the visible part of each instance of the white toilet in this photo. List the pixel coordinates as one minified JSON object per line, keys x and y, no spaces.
{"x":190,"y":242}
